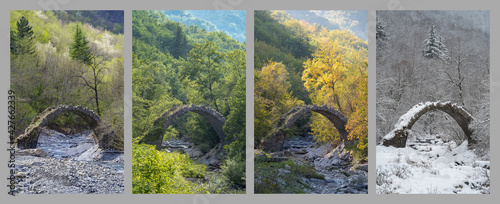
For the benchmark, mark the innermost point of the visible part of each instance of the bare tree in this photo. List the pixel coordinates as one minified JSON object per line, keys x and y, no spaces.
{"x":92,"y":75}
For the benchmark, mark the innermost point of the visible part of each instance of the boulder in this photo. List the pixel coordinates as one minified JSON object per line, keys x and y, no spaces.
{"x":31,"y":152}
{"x":298,"y":151}
{"x":358,"y":180}
{"x":273,"y":143}
{"x":285,"y":153}
{"x":360,"y":167}
{"x":213,"y":158}
{"x":338,"y":158}
{"x":319,"y":152}
{"x":193,"y":153}
{"x":92,"y":154}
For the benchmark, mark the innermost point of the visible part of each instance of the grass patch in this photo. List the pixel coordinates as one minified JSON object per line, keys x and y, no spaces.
{"x":283,"y":177}
{"x":216,"y":183}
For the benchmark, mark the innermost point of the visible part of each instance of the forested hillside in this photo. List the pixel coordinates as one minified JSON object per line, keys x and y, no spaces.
{"x":103,"y":19}
{"x":300,"y":62}
{"x":65,"y":61}
{"x":458,"y":71}
{"x":352,"y":20}
{"x":232,"y":22}
{"x":175,"y":64}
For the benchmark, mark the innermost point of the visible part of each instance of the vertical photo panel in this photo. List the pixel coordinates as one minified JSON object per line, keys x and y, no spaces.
{"x":67,"y":78}
{"x":311,"y":102}
{"x":189,"y":102}
{"x":433,"y":102}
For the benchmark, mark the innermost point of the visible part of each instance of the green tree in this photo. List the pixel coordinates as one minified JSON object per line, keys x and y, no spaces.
{"x":23,"y":42}
{"x":204,"y":67}
{"x":93,"y":57}
{"x":13,"y":42}
{"x":179,"y":42}
{"x":80,"y":49}
{"x":235,"y":123}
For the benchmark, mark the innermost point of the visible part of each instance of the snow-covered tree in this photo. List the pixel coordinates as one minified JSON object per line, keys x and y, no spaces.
{"x":434,"y":45}
{"x":381,"y":37}
{"x":381,"y":34}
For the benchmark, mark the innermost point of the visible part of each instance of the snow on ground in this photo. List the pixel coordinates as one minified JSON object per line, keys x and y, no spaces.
{"x":431,"y":168}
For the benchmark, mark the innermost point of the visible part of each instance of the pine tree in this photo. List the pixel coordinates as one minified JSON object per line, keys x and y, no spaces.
{"x":80,"y":49}
{"x":434,"y":45}
{"x":23,"y":41}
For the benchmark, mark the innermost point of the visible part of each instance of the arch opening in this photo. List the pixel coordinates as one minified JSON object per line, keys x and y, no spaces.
{"x":277,"y":139}
{"x":30,"y":138}
{"x":155,"y":135}
{"x":399,"y":135}
{"x":436,"y":126}
{"x":69,"y":123}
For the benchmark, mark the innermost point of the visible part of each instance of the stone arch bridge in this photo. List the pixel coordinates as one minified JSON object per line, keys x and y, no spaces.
{"x":275,"y":141}
{"x":398,"y":136}
{"x":104,"y":132}
{"x":154,"y":136}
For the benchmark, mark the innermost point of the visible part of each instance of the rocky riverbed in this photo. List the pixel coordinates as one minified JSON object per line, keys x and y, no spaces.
{"x":212,"y":159}
{"x":340,"y":177}
{"x":68,"y":164}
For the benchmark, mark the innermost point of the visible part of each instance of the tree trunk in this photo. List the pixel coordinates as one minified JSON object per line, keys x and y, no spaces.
{"x":95,"y":91}
{"x":213,"y":99}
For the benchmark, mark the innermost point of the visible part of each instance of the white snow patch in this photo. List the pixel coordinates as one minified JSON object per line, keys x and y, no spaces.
{"x":431,"y":169}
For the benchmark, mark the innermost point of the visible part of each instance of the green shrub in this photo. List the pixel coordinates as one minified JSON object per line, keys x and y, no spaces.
{"x":160,"y":172}
{"x":204,"y":148}
{"x":234,"y":170}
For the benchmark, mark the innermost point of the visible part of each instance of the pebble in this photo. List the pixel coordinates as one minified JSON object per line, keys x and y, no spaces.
{"x":60,"y":173}
{"x":59,"y":176}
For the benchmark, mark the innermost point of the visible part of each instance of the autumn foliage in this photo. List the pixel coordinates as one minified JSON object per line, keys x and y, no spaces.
{"x":333,"y":71}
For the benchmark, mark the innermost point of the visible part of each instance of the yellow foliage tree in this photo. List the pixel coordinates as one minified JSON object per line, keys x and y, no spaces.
{"x":324,"y":73}
{"x":272,"y":97}
{"x":337,"y":76}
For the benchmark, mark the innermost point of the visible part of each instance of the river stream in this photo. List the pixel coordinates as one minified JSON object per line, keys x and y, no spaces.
{"x":340,"y":178}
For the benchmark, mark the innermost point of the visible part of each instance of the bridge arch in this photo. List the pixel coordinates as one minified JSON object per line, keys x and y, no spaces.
{"x":30,"y":137}
{"x":276,"y":140}
{"x":154,"y":136}
{"x":398,"y":136}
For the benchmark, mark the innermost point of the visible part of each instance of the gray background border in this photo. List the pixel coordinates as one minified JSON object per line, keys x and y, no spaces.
{"x":249,"y":6}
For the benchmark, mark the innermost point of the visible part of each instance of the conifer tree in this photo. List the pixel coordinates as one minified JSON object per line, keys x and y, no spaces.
{"x":23,"y":41}
{"x":80,"y":49}
{"x":434,"y":45}
{"x":381,"y":34}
